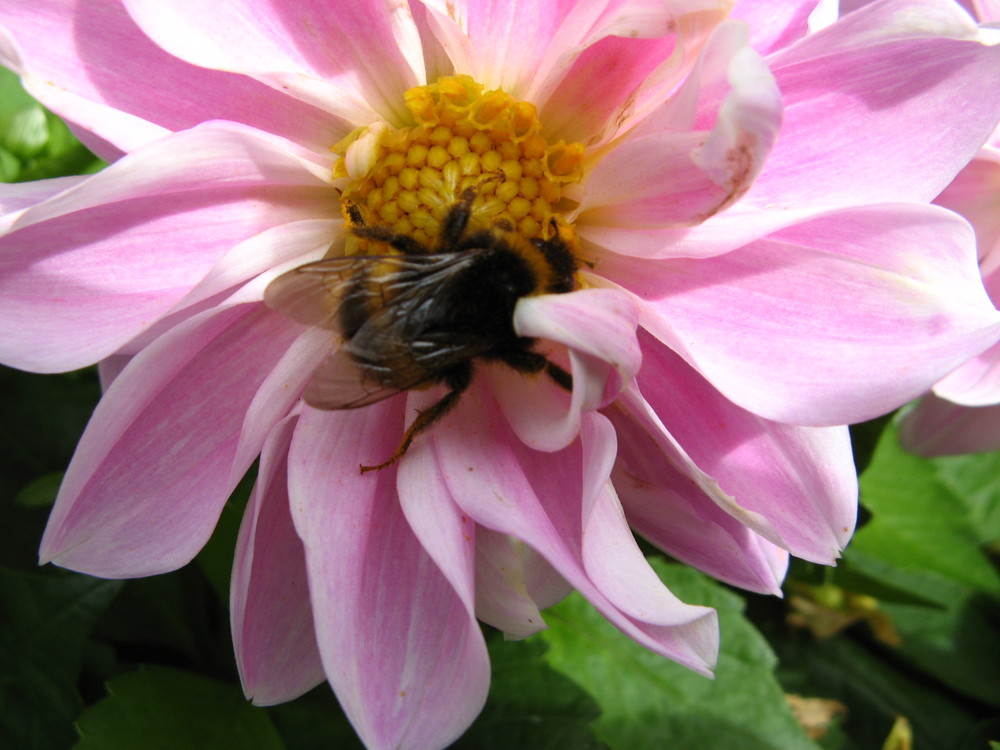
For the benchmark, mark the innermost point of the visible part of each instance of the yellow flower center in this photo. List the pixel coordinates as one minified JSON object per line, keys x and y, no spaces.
{"x":461,"y":137}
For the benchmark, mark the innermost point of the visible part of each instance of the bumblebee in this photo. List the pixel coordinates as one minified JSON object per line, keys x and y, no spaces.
{"x":424,"y":315}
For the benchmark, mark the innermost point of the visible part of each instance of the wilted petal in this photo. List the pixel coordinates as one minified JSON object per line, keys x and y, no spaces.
{"x":400,"y":646}
{"x":272,"y":618}
{"x":155,"y":465}
{"x":828,"y":322}
{"x":92,"y":267}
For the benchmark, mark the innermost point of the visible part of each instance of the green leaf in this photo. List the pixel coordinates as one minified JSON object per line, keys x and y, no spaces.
{"x":10,"y":166}
{"x":920,"y":537}
{"x":26,"y":132}
{"x":216,"y":558}
{"x":40,"y":493}
{"x":13,"y":97}
{"x":45,"y":621}
{"x":875,"y":690}
{"x":159,"y":708}
{"x":531,"y":706}
{"x":975,"y":480}
{"x":315,"y":722}
{"x":173,"y":616}
{"x":648,"y":702}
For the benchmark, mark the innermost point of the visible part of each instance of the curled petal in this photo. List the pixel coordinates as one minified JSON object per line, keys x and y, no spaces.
{"x":975,"y":383}
{"x":280,"y":390}
{"x":272,"y":618}
{"x":598,"y":328}
{"x":975,"y":193}
{"x":156,"y":463}
{"x":680,"y":177}
{"x":500,"y":483}
{"x":400,"y":644}
{"x":491,"y":42}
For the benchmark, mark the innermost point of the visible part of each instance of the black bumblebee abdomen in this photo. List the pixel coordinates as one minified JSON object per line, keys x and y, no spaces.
{"x":481,"y":301}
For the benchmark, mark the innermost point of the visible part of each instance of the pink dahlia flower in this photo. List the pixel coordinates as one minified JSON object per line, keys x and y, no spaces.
{"x":962,"y":414}
{"x":756,"y":266}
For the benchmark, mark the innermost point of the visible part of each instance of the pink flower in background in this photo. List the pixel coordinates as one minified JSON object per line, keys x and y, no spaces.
{"x":758,"y":268}
{"x":962,"y":414}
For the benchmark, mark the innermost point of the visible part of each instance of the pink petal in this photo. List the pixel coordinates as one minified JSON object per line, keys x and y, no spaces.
{"x":987,"y":10}
{"x":353,"y":61}
{"x":490,"y":41}
{"x":775,"y":24}
{"x":280,"y":390}
{"x":682,"y":176}
{"x":92,"y":267}
{"x":155,"y":465}
{"x":975,"y":193}
{"x":801,"y":479}
{"x":935,"y":427}
{"x":295,"y":243}
{"x":272,"y":618}
{"x":662,"y":505}
{"x":975,"y":383}
{"x":443,"y":530}
{"x":598,"y":327}
{"x":17,"y":196}
{"x":400,"y":644}
{"x":601,"y":85}
{"x":828,"y":322}
{"x":93,"y":55}
{"x":680,"y":508}
{"x":860,"y":135}
{"x":513,"y":584}
{"x":602,"y":76}
{"x":499,"y":483}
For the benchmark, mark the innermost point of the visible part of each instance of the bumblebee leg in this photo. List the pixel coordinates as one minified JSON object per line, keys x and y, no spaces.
{"x":563,"y":379}
{"x":531,"y":362}
{"x":457,"y":219}
{"x":458,"y":379}
{"x":402,"y":242}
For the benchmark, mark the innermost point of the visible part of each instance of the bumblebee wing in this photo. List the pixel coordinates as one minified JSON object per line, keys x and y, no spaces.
{"x":339,"y":383}
{"x":342,"y":382}
{"x":414,"y":323}
{"x":315,"y":293}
